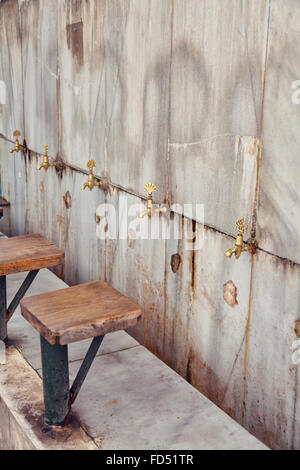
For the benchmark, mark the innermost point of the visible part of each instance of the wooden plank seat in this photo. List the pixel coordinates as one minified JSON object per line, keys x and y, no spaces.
{"x":65,"y":316}
{"x":79,"y":312}
{"x":26,"y":253}
{"x":19,"y":254}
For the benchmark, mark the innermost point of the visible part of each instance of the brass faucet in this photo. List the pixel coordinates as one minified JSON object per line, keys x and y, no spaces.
{"x":46,"y":162}
{"x":17,"y":146}
{"x":151,"y":188}
{"x":238,"y":248}
{"x":91,"y":183}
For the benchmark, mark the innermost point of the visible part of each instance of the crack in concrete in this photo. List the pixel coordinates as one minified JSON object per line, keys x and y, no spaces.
{"x":178,"y":145}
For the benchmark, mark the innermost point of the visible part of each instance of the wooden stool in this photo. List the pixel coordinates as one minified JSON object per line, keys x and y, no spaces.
{"x":65,"y":316}
{"x":19,"y":254}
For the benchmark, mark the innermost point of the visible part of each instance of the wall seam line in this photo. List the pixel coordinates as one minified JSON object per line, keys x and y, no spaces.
{"x":254,"y":216}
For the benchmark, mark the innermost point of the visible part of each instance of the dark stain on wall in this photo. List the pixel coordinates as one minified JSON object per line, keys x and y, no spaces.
{"x":75,"y":41}
{"x":67,"y":199}
{"x":175,"y":262}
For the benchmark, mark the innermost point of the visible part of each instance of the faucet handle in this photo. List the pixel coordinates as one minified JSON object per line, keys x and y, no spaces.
{"x":241,"y":225}
{"x":90,"y":165}
{"x":17,"y":146}
{"x":150,"y":188}
{"x":46,"y":148}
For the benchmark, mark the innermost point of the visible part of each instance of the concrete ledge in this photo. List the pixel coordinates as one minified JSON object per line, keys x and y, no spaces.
{"x":130,"y":399}
{"x":22,"y":416}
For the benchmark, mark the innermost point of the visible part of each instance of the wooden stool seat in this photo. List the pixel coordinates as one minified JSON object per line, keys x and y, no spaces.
{"x":64,"y":316}
{"x":19,"y":254}
{"x":80,"y":312}
{"x":27,"y":253}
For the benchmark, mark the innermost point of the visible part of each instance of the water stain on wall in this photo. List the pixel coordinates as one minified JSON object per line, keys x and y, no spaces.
{"x":297,"y":328}
{"x":75,"y":41}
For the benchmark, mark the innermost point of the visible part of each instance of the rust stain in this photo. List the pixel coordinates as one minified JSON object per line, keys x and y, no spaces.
{"x":41,"y":186}
{"x":175,"y":262}
{"x":59,"y":166}
{"x":193,"y":256}
{"x":192,"y":269}
{"x":255,"y":202}
{"x":110,"y":403}
{"x":273,"y":437}
{"x":131,"y":238}
{"x":203,"y":378}
{"x":189,"y":369}
{"x":247,"y":339}
{"x":289,"y":266}
{"x":60,"y":219}
{"x":58,"y":97}
{"x":67,"y":199}
{"x":297,"y":328}
{"x":106,"y":185}
{"x":230,"y":293}
{"x":150,"y":330}
{"x":75,"y":40}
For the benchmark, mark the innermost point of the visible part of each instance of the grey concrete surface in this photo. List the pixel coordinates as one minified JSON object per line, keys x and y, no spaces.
{"x":132,"y":400}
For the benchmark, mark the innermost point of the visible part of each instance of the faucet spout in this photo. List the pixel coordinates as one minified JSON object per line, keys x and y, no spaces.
{"x":142,"y":214}
{"x":14,"y":149}
{"x":230,"y":252}
{"x":90,"y":185}
{"x":237,"y":250}
{"x":83,"y":186}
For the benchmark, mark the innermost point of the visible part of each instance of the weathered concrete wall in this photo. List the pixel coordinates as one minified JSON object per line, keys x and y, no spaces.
{"x":181,"y":93}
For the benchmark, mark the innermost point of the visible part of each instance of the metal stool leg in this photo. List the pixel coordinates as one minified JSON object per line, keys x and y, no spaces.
{"x":55,"y":381}
{"x":85,"y":367}
{"x":3,"y":307}
{"x":7,"y":313}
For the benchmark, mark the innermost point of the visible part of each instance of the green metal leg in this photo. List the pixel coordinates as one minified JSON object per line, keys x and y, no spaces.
{"x":21,"y":292}
{"x":55,"y":381}
{"x":7,"y":313}
{"x":85,"y":367}
{"x":3,"y":307}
